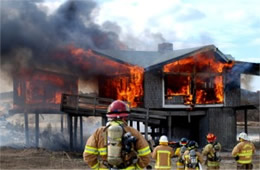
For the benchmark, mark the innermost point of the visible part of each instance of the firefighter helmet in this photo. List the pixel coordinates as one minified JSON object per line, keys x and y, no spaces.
{"x":118,"y":109}
{"x":192,"y":145}
{"x":244,"y":136}
{"x":183,"y":141}
{"x":211,"y":137}
{"x":163,"y":139}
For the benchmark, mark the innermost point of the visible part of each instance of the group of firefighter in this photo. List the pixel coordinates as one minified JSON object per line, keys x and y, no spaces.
{"x":119,"y":146}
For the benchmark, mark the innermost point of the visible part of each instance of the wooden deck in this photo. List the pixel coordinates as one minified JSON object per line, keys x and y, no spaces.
{"x":85,"y":105}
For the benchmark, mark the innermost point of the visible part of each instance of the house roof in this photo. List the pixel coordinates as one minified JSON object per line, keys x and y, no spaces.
{"x":151,"y":59}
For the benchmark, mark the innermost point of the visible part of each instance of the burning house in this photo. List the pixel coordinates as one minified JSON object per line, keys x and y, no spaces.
{"x":195,"y":91}
{"x":40,"y":91}
{"x":179,"y":93}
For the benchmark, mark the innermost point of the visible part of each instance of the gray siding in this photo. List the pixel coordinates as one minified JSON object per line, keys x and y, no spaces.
{"x":222,"y":122}
{"x":152,"y":90}
{"x":203,"y":130}
{"x":190,"y":127}
{"x":232,"y":89}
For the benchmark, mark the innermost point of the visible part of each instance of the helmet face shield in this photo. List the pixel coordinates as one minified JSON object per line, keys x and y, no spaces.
{"x":183,"y":141}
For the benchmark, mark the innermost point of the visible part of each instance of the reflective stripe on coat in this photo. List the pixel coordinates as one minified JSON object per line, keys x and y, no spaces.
{"x":96,"y":147}
{"x":163,"y":154}
{"x":209,"y":152}
{"x":245,"y":151}
{"x":186,"y":157}
{"x":180,"y":161}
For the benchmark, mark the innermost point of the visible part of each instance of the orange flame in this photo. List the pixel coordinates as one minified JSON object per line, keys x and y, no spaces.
{"x":119,"y":80}
{"x":183,"y":90}
{"x":207,"y":78}
{"x":133,"y":87}
{"x":41,"y":87}
{"x":219,"y":90}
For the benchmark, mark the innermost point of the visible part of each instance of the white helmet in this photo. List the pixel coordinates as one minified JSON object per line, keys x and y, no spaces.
{"x":244,"y":136}
{"x":163,"y":139}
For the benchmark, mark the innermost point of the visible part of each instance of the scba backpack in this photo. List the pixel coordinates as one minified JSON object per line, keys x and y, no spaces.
{"x":193,"y":159}
{"x":216,"y":153}
{"x":182,"y":150}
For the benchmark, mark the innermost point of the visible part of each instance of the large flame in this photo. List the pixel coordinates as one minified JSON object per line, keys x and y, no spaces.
{"x":117,"y":80}
{"x":201,"y":82}
{"x":130,"y":87}
{"x":179,"y":89}
{"x":42,"y":87}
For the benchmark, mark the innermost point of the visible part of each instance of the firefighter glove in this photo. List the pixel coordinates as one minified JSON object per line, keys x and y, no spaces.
{"x":237,"y":158}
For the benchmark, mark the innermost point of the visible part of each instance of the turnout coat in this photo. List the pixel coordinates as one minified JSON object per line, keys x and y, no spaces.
{"x":95,"y":153}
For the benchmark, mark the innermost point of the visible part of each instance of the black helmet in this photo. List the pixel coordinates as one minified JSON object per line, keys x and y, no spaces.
{"x":184,"y":141}
{"x":192,"y":145}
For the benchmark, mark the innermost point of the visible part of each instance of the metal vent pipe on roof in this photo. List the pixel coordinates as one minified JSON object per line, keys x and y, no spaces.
{"x":164,"y":47}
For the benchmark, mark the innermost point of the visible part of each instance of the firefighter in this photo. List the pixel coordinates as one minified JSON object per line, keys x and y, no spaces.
{"x":192,"y":158}
{"x":212,"y":152}
{"x":117,"y":146}
{"x":180,"y":151}
{"x":163,"y":154}
{"x":243,"y":152}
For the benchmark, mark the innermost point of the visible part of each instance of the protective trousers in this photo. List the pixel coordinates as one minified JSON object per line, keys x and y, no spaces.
{"x":244,"y":166}
{"x":212,"y":167}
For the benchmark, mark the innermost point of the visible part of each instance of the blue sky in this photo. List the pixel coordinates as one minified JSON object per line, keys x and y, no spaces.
{"x":233,"y":26}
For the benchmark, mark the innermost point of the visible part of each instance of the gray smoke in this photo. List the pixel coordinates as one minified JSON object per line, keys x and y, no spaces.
{"x":235,"y":73}
{"x":28,"y":29}
{"x":246,"y":80}
{"x":146,"y":41}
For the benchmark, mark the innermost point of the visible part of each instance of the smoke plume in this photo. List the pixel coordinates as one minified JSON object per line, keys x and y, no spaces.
{"x":30,"y":37}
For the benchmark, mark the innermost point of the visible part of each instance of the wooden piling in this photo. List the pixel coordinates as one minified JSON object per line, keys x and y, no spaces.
{"x":245,"y":119}
{"x":75,"y":131}
{"x":26,"y":129}
{"x":146,"y":124}
{"x":81,"y":132}
{"x":138,"y":126}
{"x":169,"y":127}
{"x":70,"y":131}
{"x":61,"y":123}
{"x":36,"y":130}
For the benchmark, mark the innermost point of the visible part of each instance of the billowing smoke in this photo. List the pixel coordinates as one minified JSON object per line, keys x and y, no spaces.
{"x":30,"y":37}
{"x":234,"y":75}
{"x":145,"y":41}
